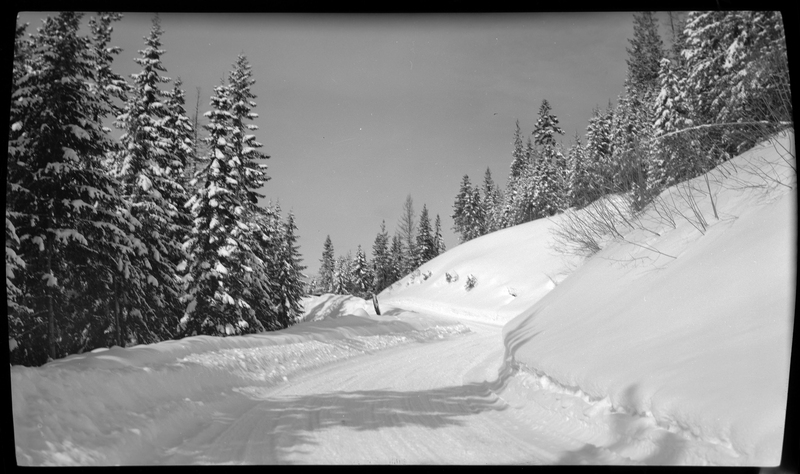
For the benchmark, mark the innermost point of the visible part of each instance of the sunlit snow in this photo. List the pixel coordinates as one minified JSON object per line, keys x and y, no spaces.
{"x":627,"y":357}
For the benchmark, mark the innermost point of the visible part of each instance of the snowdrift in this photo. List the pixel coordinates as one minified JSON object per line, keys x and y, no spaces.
{"x":513,"y":268}
{"x":686,"y":333}
{"x":82,"y":409}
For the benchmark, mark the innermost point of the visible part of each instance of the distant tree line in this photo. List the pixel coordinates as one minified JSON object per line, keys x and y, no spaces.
{"x":414,"y":243}
{"x":157,"y":235}
{"x":721,"y":87}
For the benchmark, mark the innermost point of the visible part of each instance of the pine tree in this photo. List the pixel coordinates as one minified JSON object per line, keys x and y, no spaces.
{"x":670,"y":160}
{"x":396,"y":256}
{"x":288,"y":280}
{"x":580,"y":184}
{"x":426,"y":247}
{"x":461,"y":224}
{"x":598,"y":152}
{"x":328,"y":261}
{"x":407,"y":228}
{"x":151,"y":173}
{"x":62,"y":204}
{"x":548,"y":189}
{"x":381,"y":261}
{"x":520,"y":157}
{"x":342,"y":275}
{"x":361,"y":275}
{"x":737,"y":70}
{"x":438,"y":240}
{"x":219,"y":298}
{"x":644,"y":55}
{"x":491,"y":202}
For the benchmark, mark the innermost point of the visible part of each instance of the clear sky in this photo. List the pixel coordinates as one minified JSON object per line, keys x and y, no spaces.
{"x":358,"y":111}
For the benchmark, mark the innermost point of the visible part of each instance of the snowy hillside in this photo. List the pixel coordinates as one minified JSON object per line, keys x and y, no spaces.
{"x":689,"y":346}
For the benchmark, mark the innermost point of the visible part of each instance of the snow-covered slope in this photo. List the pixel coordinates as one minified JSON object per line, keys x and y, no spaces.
{"x":694,"y":343}
{"x":513,"y":268}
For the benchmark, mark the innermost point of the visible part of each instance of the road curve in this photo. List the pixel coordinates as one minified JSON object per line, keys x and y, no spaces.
{"x":419,"y":403}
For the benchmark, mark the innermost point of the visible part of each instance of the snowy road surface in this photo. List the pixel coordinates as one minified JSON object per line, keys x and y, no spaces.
{"x":430,"y":402}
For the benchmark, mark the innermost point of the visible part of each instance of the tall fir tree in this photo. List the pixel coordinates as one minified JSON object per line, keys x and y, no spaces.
{"x":361,"y":275}
{"x":492,"y":200}
{"x":62,"y":204}
{"x":407,"y":228}
{"x":549,"y":183}
{"x":438,"y":240}
{"x":381,"y":260}
{"x":426,"y":247}
{"x":219,"y":299}
{"x":520,"y":157}
{"x":287,"y":288}
{"x":396,"y":257}
{"x":151,"y":172}
{"x":328,"y":262}
{"x":580,"y":184}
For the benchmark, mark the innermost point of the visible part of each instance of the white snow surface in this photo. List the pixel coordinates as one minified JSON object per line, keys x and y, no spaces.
{"x":627,"y":357}
{"x":695,"y":348}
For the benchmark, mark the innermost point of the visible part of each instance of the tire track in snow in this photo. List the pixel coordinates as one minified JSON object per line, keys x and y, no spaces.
{"x":420,"y":403}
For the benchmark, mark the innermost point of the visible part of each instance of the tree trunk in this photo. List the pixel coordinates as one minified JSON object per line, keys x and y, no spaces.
{"x":116,"y":310}
{"x":51,"y":320}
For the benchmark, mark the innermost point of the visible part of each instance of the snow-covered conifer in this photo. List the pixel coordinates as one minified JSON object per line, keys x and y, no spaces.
{"x":438,"y":240}
{"x":328,"y":266}
{"x":220,"y":245}
{"x":426,"y":248}
{"x":381,"y":261}
{"x":396,"y":258}
{"x":361,"y":276}
{"x":64,"y":205}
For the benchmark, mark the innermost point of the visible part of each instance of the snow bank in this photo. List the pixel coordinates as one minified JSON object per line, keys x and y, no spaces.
{"x":81,"y":409}
{"x":700,"y":343}
{"x":513,"y":268}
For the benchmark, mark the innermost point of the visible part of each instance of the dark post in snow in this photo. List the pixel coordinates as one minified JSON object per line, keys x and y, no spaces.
{"x":375,"y":304}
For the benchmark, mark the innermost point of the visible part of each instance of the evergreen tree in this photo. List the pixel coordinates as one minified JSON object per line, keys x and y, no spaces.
{"x":737,"y":70}
{"x":407,"y":228}
{"x":288,"y":288}
{"x":361,"y":275}
{"x":182,"y":134}
{"x":580,"y":184}
{"x":438,"y":240}
{"x":644,"y":55}
{"x":328,"y":266}
{"x":342,"y":275}
{"x":61,"y":204}
{"x":598,"y":152}
{"x":220,"y":299}
{"x":461,"y":223}
{"x":426,"y":247}
{"x":151,"y":173}
{"x":491,"y":202}
{"x":548,"y":178}
{"x":381,"y":260}
{"x":670,"y":161}
{"x":520,"y":156}
{"x":396,"y":255}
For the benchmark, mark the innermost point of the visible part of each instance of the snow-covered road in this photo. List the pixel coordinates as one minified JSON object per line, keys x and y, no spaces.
{"x":429,"y":402}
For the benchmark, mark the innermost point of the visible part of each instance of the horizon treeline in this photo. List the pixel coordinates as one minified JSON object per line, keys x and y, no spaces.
{"x":413,"y":244}
{"x":720,"y":87}
{"x":156,"y":235}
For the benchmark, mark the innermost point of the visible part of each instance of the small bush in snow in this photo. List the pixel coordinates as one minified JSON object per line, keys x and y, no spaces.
{"x":451,"y":277}
{"x":427,"y":275}
{"x":471,"y":282}
{"x":512,"y":291}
